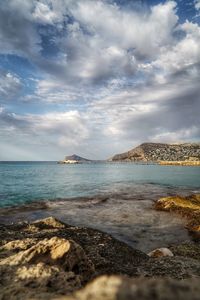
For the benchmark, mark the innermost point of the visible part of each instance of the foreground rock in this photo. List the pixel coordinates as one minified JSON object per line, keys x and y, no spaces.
{"x":188,"y":207}
{"x":30,"y":266}
{"x":119,"y":288}
{"x":48,"y":259}
{"x":108,"y":255}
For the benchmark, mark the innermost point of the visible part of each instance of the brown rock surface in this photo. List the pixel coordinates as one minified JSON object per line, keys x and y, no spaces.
{"x":159,"y":152}
{"x":120,"y":288}
{"x":48,"y":259}
{"x":108,"y":255}
{"x":31,"y":268}
{"x":188,"y":207}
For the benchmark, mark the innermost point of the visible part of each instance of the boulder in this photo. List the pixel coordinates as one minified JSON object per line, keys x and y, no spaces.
{"x":52,"y":266}
{"x":160,"y":252}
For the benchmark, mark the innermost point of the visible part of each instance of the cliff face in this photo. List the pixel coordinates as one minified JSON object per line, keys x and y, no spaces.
{"x":156,"y":152}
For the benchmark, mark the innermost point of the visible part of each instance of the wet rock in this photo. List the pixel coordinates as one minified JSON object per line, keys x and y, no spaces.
{"x":160,"y":252}
{"x":179,"y":203}
{"x":49,"y":222}
{"x":188,"y":207}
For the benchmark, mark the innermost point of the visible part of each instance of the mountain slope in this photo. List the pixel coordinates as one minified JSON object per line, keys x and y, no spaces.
{"x":156,"y":152}
{"x":77,"y":158}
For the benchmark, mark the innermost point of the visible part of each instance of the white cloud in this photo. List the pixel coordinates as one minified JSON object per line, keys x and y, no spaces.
{"x":197,"y":4}
{"x":120,"y":76}
{"x":65,"y":128}
{"x":10,"y":85}
{"x":45,"y":15}
{"x":184,"y":53}
{"x":88,"y":48}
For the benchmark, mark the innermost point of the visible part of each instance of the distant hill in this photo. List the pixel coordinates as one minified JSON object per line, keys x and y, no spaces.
{"x":157,"y":152}
{"x":77,"y":158}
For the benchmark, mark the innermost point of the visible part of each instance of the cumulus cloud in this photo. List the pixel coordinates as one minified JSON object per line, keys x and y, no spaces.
{"x":10,"y":85}
{"x":88,"y":47}
{"x":120,"y":75}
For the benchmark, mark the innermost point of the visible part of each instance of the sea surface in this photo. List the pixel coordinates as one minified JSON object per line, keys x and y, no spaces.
{"x":116,"y":198}
{"x":24,"y":182}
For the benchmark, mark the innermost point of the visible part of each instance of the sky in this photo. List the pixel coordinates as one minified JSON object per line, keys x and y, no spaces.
{"x":97,"y":77}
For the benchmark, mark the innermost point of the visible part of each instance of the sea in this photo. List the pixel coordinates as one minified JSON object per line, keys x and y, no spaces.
{"x":24,"y":182}
{"x":117,"y":198}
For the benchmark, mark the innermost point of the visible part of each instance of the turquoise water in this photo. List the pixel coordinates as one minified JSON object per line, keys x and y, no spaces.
{"x":22,"y":182}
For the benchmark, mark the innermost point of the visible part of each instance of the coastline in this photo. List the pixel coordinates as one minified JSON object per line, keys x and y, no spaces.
{"x":127,"y":215}
{"x":180,"y":163}
{"x":48,"y":259}
{"x":42,"y":257}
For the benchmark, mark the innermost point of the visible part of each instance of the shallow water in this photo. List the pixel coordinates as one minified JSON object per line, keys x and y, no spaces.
{"x":115,"y":198}
{"x":127,"y":215}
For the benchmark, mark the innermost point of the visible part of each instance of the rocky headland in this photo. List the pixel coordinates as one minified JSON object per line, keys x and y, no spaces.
{"x":48,"y":259}
{"x":165,"y":154}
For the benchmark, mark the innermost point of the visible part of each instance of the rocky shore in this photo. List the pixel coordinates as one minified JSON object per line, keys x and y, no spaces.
{"x":48,"y":259}
{"x":179,"y":163}
{"x":188,"y":207}
{"x":181,"y":154}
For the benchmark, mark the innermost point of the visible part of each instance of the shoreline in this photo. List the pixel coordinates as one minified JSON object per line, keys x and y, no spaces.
{"x":42,"y":257}
{"x":48,"y":259}
{"x":126,"y":216}
{"x":180,"y":163}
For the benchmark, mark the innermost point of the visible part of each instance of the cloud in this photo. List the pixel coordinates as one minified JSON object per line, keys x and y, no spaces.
{"x":197,"y":4}
{"x":17,"y":33}
{"x":96,"y":52}
{"x":107,"y":76}
{"x":87,"y":47}
{"x":10,"y":86}
{"x":185,"y":52}
{"x":161,"y":112}
{"x":67,"y":128}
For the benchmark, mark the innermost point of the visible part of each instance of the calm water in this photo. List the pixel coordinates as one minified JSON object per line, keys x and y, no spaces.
{"x":23,"y":182}
{"x":115,"y":198}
